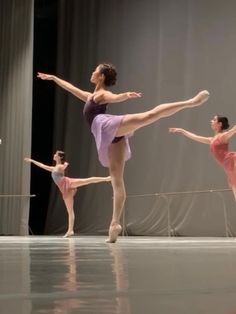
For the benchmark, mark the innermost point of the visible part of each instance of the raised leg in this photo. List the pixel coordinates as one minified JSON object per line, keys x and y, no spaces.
{"x":74,"y":183}
{"x":132,"y":122}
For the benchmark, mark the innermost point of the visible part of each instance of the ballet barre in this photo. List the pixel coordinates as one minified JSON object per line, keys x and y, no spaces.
{"x":179,"y":193}
{"x":166,"y":196}
{"x":17,"y":195}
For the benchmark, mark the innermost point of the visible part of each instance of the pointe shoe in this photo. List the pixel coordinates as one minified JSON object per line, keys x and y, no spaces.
{"x":114,"y":231}
{"x":200,"y":98}
{"x":68,"y":234}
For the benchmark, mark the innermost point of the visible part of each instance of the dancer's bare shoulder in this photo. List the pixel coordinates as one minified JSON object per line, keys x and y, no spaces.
{"x":102,"y":97}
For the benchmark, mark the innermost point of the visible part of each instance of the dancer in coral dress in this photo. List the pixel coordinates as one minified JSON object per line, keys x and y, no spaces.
{"x":219,"y":144}
{"x":111,"y":132}
{"x":66,"y":185}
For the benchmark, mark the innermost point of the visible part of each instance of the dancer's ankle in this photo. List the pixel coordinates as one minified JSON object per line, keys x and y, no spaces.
{"x":114,"y":223}
{"x":114,"y":231}
{"x":69,"y":233}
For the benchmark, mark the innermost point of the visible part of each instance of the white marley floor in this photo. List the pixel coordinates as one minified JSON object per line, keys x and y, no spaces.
{"x":140,"y":275}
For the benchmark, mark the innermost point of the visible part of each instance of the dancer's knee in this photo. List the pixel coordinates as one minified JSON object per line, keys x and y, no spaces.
{"x":149,"y":117}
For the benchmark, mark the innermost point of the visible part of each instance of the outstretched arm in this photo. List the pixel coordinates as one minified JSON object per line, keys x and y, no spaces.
{"x":79,"y":93}
{"x":192,"y":136}
{"x":39,"y":164}
{"x":227,"y":135}
{"x":108,"y":97}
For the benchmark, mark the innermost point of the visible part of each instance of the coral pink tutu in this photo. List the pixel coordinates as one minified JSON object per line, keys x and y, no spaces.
{"x":225,"y":158}
{"x":64,"y":186}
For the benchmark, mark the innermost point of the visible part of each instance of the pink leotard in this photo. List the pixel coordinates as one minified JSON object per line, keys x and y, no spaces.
{"x":226,"y":159}
{"x":63,"y":183}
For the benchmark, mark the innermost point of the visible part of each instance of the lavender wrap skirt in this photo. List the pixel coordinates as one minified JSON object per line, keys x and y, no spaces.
{"x":104,"y":128}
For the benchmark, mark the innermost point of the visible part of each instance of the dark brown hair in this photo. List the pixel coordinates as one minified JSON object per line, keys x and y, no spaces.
{"x":109,"y":72}
{"x":61,"y":154}
{"x":224,"y":122}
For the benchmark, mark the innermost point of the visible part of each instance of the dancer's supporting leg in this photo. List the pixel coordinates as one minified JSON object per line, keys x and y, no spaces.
{"x":116,"y":168}
{"x":234,"y":192}
{"x":69,"y":200}
{"x":130,"y":123}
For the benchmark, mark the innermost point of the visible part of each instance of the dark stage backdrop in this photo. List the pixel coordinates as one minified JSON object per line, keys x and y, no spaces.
{"x":168,"y":50}
{"x":45,"y":51}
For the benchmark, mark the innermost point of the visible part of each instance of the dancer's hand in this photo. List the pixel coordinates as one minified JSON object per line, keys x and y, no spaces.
{"x":27,"y":159}
{"x":133,"y":95}
{"x":108,"y":179}
{"x":45,"y":76}
{"x":175,"y":130}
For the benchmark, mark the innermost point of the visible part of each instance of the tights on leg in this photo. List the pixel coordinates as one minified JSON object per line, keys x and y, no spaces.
{"x":234,"y":192}
{"x":133,"y":122}
{"x":69,"y":202}
{"x":116,"y":168}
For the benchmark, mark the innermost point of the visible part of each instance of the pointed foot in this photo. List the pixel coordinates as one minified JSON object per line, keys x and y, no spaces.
{"x":114,"y":232}
{"x":200,"y":98}
{"x":68,"y":234}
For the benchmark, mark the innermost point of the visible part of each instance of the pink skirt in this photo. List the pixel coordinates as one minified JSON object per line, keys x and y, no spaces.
{"x":229,"y":165}
{"x":104,"y":128}
{"x":65,"y":188}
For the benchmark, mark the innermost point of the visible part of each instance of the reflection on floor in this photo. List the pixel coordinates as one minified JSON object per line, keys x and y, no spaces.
{"x":140,"y":275}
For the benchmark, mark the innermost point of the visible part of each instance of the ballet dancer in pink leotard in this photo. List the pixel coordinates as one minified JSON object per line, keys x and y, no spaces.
{"x":218,"y":146}
{"x":66,"y":185}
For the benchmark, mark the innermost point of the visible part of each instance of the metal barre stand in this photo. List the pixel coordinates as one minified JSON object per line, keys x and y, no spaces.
{"x":166,"y":197}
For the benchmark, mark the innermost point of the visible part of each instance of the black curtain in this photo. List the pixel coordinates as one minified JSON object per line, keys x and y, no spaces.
{"x":45,"y":60}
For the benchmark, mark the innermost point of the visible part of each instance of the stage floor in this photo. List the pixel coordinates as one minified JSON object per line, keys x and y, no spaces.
{"x":140,"y":275}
